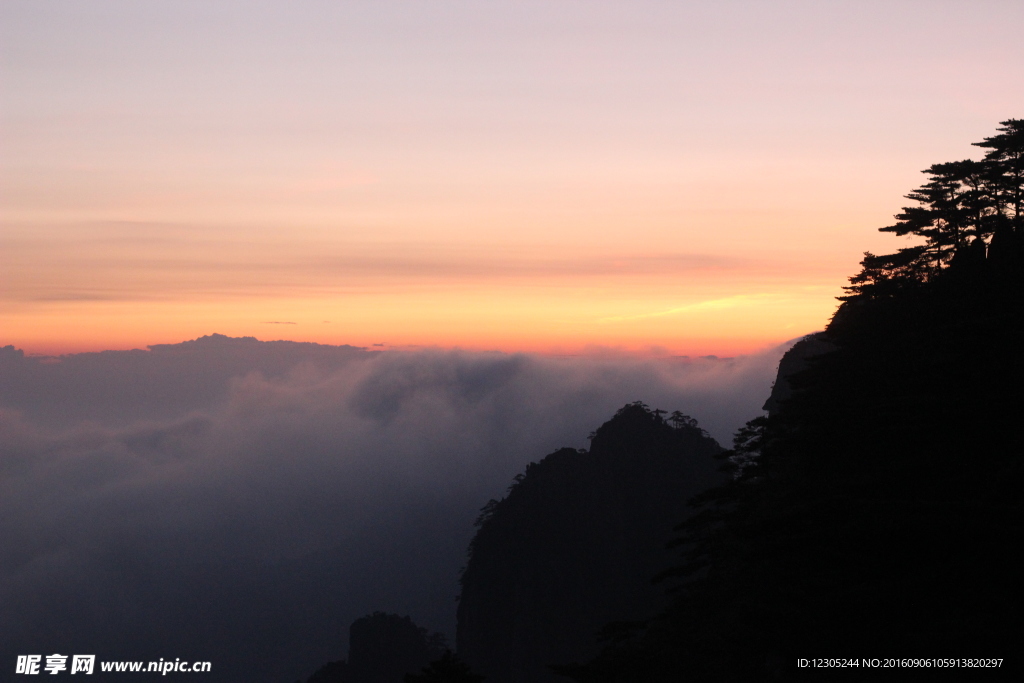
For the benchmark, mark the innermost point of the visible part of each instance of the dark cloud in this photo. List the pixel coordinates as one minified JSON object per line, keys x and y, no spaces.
{"x":243,"y":501}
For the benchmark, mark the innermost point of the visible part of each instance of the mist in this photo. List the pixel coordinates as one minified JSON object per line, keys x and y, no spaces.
{"x":243,"y":502}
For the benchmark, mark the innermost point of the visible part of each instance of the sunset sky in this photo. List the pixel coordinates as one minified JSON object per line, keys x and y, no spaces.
{"x":667,"y":177}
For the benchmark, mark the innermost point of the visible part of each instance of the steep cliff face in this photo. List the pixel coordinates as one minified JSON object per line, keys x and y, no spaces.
{"x":794,"y":361}
{"x":576,"y":542}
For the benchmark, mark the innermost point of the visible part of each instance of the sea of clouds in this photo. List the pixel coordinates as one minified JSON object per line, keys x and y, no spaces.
{"x":243,"y":502}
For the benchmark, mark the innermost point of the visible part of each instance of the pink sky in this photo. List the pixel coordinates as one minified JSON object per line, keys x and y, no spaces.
{"x":551,"y":176}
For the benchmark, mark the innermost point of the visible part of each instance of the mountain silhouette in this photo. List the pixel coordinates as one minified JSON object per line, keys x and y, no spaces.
{"x":876,"y":512}
{"x":576,"y":541}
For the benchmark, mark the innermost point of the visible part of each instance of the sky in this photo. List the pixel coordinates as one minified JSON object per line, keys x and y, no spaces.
{"x":674,"y":178}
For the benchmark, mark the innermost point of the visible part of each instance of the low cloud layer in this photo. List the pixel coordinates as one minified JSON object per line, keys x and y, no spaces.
{"x":242,"y":502}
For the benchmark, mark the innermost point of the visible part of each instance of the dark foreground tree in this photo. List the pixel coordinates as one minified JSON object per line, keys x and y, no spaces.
{"x":967,"y":212}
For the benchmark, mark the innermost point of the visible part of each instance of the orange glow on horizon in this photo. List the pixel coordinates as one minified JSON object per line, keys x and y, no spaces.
{"x":115,"y":286}
{"x":642,"y":317}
